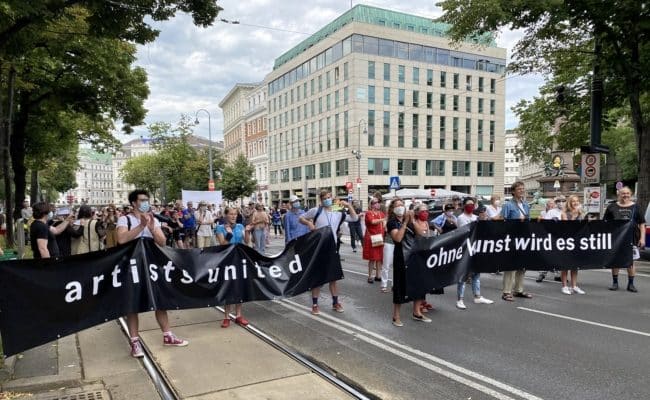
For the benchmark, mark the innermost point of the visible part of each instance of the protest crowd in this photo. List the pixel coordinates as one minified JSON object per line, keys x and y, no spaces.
{"x":381,"y":231}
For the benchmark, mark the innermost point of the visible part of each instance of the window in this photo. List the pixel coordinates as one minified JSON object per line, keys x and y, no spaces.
{"x":480,"y":135}
{"x":296,"y":174}
{"x":386,"y":141}
{"x":443,"y":101}
{"x":325,"y":169}
{"x":310,"y":171}
{"x":400,"y":129}
{"x":480,"y":84}
{"x":443,"y":79}
{"x":386,"y":71}
{"x":429,"y":99}
{"x":313,"y":90}
{"x":345,"y":95}
{"x":429,"y":77}
{"x":492,"y":133}
{"x":442,"y":132}
{"x":454,"y":140}
{"x":429,"y":143}
{"x":378,"y":166}
{"x":345,"y":71}
{"x":455,"y":106}
{"x":371,"y":70}
{"x":337,"y":75}
{"x":342,"y":167}
{"x":493,"y":85}
{"x":371,"y":127}
{"x":386,"y":48}
{"x":492,"y":106}
{"x":434,"y":168}
{"x":386,"y":96}
{"x":480,"y":106}
{"x":400,"y":73}
{"x":460,"y":168}
{"x":284,"y":175}
{"x":468,"y":134}
{"x":484,"y":168}
{"x":371,"y":95}
{"x":468,"y":104}
{"x":407,"y":167}
{"x":416,"y":75}
{"x":456,"y":81}
{"x":320,"y":84}
{"x":401,"y":94}
{"x":336,"y":99}
{"x":416,"y":98}
{"x":468,"y":82}
{"x":415,"y":131}
{"x":327,"y":79}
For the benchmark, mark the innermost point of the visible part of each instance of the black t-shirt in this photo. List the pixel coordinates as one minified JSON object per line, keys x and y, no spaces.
{"x":614,"y":211}
{"x":39,"y":230}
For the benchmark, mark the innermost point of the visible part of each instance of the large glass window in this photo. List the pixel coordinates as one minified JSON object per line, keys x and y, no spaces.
{"x":371,"y":127}
{"x":400,"y":129}
{"x":415,"y":143}
{"x":386,"y":48}
{"x":435,"y":167}
{"x":443,"y":79}
{"x":456,"y":81}
{"x":485,"y":168}
{"x":371,"y":94}
{"x":402,"y":50}
{"x":378,"y":166}
{"x":325,"y":169}
{"x":429,"y":143}
{"x":386,"y":96}
{"x":443,"y":133}
{"x":454,"y":137}
{"x":407,"y":167}
{"x":342,"y":167}
{"x":460,"y":168}
{"x":416,"y":52}
{"x":429,"y":99}
{"x":429,"y":77}
{"x":386,"y":141}
{"x":400,"y":73}
{"x":310,"y":171}
{"x":401,"y":94}
{"x":371,"y":70}
{"x":296,"y":173}
{"x":416,"y":98}
{"x":386,"y":72}
{"x":468,"y":134}
{"x":416,"y":75}
{"x":370,"y":45}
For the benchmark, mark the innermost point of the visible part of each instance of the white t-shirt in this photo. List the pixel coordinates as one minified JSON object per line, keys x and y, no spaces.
{"x":553,"y":213}
{"x":135,"y":222}
{"x":331,"y":218}
{"x":464,"y":219}
{"x":492,"y":211}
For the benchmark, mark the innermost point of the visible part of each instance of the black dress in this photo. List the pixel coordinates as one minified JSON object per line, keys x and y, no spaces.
{"x":399,"y":267}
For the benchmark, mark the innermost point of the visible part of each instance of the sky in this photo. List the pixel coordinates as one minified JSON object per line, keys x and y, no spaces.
{"x":191,"y":68}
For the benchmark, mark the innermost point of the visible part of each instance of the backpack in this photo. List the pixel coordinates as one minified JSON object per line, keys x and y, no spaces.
{"x":338,"y":228}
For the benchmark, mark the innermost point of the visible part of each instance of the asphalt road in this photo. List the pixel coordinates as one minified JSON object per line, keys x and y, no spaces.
{"x":553,"y":346}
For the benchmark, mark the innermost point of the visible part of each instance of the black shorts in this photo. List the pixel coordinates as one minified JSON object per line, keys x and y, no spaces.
{"x":189,"y":232}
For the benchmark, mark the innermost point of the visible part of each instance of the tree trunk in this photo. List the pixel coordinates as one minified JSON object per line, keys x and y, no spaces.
{"x":17,"y":148}
{"x":34,"y":189}
{"x":642,"y":132}
{"x":5,"y":134}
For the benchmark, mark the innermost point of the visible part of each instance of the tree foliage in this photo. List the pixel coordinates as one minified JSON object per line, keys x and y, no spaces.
{"x":559,"y":41}
{"x":237,"y":180}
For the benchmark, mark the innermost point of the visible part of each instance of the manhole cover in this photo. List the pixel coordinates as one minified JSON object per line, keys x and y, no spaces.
{"x":87,"y":395}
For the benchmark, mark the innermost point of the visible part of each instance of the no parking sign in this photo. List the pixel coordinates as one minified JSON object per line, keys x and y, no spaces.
{"x":590,"y":168}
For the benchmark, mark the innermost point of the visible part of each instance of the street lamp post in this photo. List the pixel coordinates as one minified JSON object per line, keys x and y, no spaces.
{"x":357,"y":155}
{"x":196,"y":116}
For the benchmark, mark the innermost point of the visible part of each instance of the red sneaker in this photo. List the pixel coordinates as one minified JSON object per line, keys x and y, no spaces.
{"x":225,"y":323}
{"x":241,"y":321}
{"x":136,"y":349}
{"x":172,"y":340}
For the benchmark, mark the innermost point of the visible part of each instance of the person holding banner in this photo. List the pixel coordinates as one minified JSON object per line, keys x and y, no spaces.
{"x":141,"y":223}
{"x":41,"y":236}
{"x":466,"y":218}
{"x":319,"y":217}
{"x":572,"y":212}
{"x":292,"y":226}
{"x":517,"y":209}
{"x":626,"y":209}
{"x":231,"y":233}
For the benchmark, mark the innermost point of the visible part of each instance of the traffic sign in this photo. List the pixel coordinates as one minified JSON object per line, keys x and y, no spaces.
{"x":619,"y":185}
{"x":348,"y":185}
{"x":556,"y":184}
{"x":394,"y":183}
{"x":590,"y":168}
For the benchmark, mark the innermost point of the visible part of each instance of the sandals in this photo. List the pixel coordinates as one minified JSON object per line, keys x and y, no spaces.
{"x":523,"y":294}
{"x":507,"y":297}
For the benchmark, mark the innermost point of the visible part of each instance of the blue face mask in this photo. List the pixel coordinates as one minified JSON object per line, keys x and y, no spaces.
{"x":327,"y":203}
{"x":296,"y":204}
{"x":144,"y":207}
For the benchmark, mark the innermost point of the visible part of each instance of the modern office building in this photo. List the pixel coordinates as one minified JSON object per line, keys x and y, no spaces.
{"x":378,"y":93}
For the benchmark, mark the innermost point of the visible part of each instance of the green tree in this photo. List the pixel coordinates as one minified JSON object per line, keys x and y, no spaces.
{"x":237,"y":179}
{"x":143,"y":172}
{"x":558,"y":32}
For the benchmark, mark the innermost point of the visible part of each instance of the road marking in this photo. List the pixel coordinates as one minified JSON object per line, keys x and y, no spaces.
{"x":395,"y":348}
{"x":584,"y":321}
{"x":609,"y":271}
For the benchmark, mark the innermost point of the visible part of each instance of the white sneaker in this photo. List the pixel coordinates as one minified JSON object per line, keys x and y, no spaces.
{"x":482,"y":300}
{"x":577,"y":290}
{"x":566,"y":290}
{"x":460,"y":304}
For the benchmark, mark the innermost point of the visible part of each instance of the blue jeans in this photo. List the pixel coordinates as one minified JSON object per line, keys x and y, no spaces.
{"x":260,"y":239}
{"x":476,"y":286}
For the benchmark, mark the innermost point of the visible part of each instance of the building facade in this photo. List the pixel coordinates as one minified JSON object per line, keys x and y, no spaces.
{"x":378,"y":93}
{"x":94,"y":179}
{"x":235,"y":108}
{"x":256,"y":140}
{"x":511,"y":160}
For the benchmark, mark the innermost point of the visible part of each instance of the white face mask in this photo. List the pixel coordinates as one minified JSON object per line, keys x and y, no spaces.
{"x":399,"y":211}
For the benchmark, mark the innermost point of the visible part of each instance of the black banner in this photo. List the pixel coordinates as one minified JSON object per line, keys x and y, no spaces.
{"x":491,"y":246}
{"x":42,"y":300}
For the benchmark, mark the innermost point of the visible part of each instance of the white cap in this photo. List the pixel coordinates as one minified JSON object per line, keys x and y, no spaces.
{"x":293,"y":198}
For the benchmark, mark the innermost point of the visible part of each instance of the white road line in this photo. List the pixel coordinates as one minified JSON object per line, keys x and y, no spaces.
{"x":584,"y":321}
{"x":354,"y":272}
{"x":393,"y":347}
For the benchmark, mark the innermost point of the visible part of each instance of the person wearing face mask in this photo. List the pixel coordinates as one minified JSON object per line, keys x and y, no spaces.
{"x":447,"y":221}
{"x":467,"y":217}
{"x":494,"y":208}
{"x":141,"y":223}
{"x":375,"y":221}
{"x":204,"y":220}
{"x":292,"y":226}
{"x":42,"y":237}
{"x":319,"y":217}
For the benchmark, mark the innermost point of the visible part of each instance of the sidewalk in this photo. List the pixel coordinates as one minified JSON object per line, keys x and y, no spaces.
{"x":218,"y":364}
